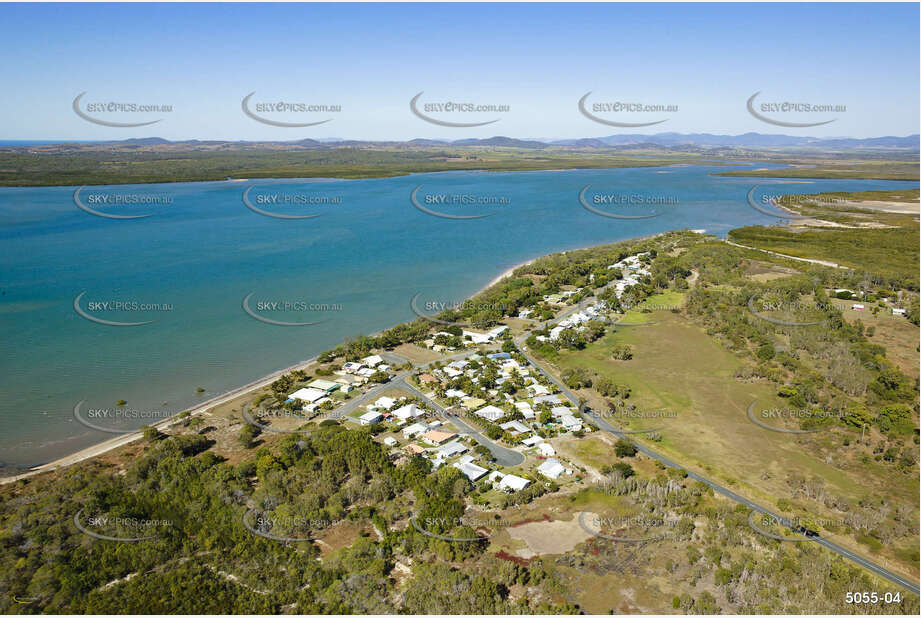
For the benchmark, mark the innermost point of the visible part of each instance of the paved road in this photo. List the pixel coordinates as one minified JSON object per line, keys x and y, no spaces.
{"x":605,"y":426}
{"x":503,"y":456}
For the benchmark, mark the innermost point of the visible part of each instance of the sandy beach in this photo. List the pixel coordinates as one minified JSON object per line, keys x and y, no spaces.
{"x":201,"y":408}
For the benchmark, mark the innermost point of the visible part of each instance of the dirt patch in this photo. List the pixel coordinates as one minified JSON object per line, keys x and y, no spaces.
{"x":549,"y":537}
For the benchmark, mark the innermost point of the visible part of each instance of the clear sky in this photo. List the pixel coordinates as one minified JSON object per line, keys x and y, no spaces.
{"x":539,"y":59}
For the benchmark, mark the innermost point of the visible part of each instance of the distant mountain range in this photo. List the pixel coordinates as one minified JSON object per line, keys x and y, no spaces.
{"x":660,"y":141}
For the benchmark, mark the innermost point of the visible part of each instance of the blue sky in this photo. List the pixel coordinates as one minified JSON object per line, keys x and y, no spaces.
{"x":538,"y":59}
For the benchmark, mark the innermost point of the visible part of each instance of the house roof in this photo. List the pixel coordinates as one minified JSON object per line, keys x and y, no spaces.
{"x":515,"y":483}
{"x":438,"y":437}
{"x":471,"y":471}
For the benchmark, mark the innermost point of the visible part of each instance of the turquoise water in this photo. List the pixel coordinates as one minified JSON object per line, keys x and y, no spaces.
{"x":203,"y":252}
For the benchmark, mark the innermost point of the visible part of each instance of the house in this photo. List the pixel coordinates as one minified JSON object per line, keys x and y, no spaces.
{"x":499,"y":355}
{"x":496,"y":332}
{"x":471,"y":471}
{"x":369,"y":418}
{"x":310,"y":395}
{"x":490,"y":413}
{"x":372,"y":361}
{"x":510,"y":482}
{"x":452,"y":392}
{"x":427,"y":378}
{"x":385,"y":402}
{"x":532,"y":440}
{"x":323,"y":385}
{"x":475,"y":338}
{"x":472,"y":403}
{"x":408,"y":411}
{"x":570,"y":422}
{"x":560,"y":411}
{"x":551,"y":468}
{"x":346,"y":388}
{"x":450,"y":450}
{"x":545,"y":449}
{"x":352,"y":367}
{"x":494,"y":476}
{"x":415,"y":430}
{"x":549,"y":399}
{"x":438,"y":437}
{"x":515,"y":427}
{"x":390,"y":441}
{"x":415,"y":449}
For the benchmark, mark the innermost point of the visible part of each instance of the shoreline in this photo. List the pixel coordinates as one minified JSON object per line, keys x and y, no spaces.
{"x":119,"y":441}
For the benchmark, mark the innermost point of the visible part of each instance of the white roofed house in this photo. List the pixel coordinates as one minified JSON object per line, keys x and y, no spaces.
{"x":450,"y":450}
{"x":510,"y":482}
{"x":385,"y":402}
{"x":560,"y":411}
{"x":390,"y":441}
{"x":372,"y":361}
{"x":515,"y":427}
{"x":309,"y":395}
{"x":532,"y":440}
{"x":408,"y":411}
{"x":352,"y":367}
{"x":490,"y":413}
{"x":414,"y":430}
{"x":545,"y":449}
{"x":551,"y":468}
{"x":369,"y":418}
{"x":570,"y":422}
{"x":471,"y":471}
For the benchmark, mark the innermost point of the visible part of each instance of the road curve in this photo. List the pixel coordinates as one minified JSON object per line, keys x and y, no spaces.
{"x":842,"y":551}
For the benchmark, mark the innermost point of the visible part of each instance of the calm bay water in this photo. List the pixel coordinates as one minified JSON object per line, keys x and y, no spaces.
{"x":199,"y":255}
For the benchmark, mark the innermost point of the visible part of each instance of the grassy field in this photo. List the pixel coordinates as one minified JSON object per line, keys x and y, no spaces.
{"x":677,"y":367}
{"x":871,"y":170}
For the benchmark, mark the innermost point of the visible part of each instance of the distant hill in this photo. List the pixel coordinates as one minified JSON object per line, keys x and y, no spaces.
{"x":682,"y":142}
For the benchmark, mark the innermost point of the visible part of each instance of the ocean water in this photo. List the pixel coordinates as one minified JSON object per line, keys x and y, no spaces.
{"x":357,"y":266}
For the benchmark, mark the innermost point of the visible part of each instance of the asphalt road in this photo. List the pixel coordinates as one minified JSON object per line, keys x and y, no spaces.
{"x":605,"y":426}
{"x":503,"y":456}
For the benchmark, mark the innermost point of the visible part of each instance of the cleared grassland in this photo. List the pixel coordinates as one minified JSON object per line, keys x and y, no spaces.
{"x":678,"y":368}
